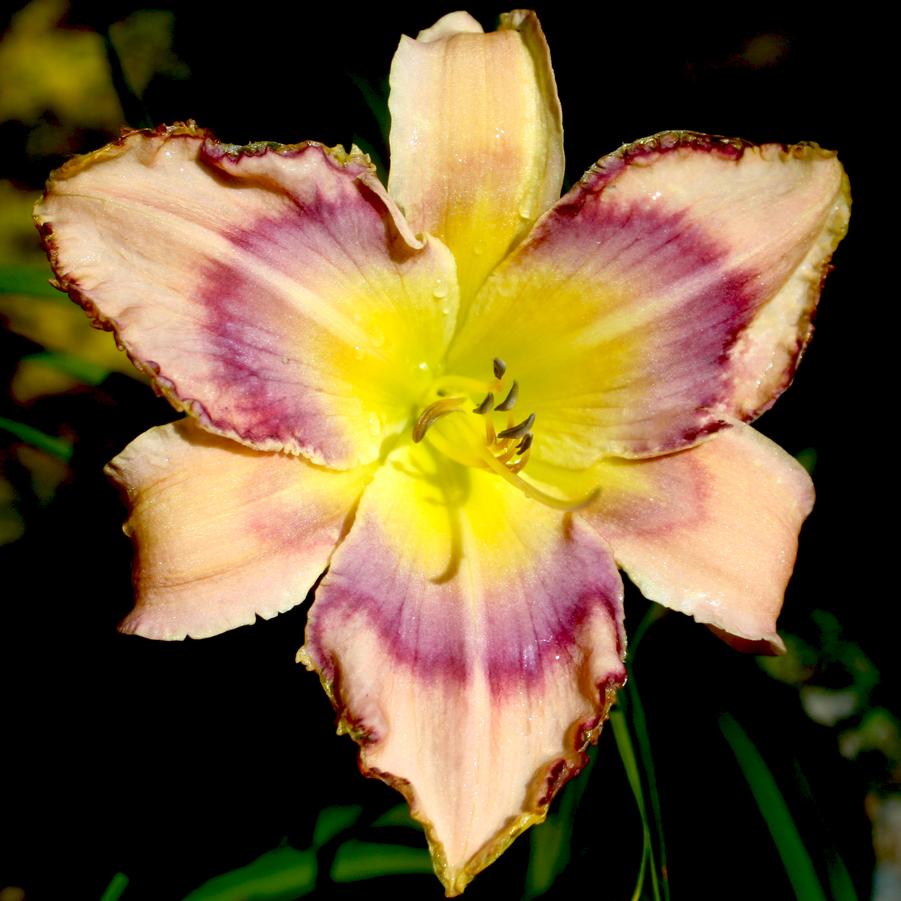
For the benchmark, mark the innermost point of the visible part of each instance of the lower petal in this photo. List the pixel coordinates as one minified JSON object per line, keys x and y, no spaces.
{"x":711,"y":531}
{"x":471,"y":640}
{"x":224,"y":534}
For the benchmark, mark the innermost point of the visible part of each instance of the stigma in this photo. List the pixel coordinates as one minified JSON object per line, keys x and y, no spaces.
{"x":467,"y":423}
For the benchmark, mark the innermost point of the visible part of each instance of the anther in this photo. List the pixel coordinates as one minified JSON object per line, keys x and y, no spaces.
{"x":518,"y":431}
{"x":433,"y":413}
{"x":500,"y":367}
{"x":485,"y":405}
{"x":510,"y":400}
{"x":526,"y":443}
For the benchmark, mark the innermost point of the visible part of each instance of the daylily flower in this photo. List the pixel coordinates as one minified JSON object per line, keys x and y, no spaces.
{"x":464,"y":400}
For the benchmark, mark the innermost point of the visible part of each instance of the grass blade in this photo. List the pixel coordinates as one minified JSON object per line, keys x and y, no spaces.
{"x":639,"y":724}
{"x":630,"y":764}
{"x":798,"y":865}
{"x":56,"y":447}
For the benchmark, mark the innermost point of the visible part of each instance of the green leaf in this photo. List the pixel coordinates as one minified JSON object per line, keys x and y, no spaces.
{"x":279,"y":875}
{"x":56,"y":447}
{"x":31,"y":280}
{"x":399,"y":815}
{"x":358,"y":860}
{"x":808,"y":459}
{"x":333,"y":821}
{"x":798,"y":865}
{"x":117,"y":885}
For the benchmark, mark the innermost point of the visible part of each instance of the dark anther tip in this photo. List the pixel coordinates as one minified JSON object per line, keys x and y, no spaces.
{"x":510,"y":400}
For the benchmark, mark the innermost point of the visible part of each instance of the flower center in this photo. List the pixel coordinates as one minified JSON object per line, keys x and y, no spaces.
{"x":467,"y":423}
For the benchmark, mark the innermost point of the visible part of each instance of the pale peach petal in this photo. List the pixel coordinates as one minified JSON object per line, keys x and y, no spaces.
{"x":476,"y":136}
{"x":223,"y":533}
{"x":711,"y":531}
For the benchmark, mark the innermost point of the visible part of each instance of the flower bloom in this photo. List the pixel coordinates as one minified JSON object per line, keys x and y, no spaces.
{"x":464,"y":399}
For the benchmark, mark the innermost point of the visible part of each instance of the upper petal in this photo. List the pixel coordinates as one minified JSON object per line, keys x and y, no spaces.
{"x":274,"y":293}
{"x":471,"y":640}
{"x":476,"y":136}
{"x":711,"y":531}
{"x":669,"y":291}
{"x":222,"y":533}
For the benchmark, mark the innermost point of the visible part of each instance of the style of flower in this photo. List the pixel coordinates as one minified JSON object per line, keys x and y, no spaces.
{"x":463,"y":399}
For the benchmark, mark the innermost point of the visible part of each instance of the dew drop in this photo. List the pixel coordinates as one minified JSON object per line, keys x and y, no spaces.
{"x":423,"y":366}
{"x":440,"y":289}
{"x":358,"y":351}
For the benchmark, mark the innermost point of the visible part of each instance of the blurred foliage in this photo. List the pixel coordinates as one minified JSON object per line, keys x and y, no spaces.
{"x":75,"y":88}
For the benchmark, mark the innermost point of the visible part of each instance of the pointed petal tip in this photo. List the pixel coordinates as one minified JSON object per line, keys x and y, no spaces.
{"x":547,"y":782}
{"x":770,"y":645}
{"x":475,"y":161}
{"x":448,"y":25}
{"x":544,"y":786}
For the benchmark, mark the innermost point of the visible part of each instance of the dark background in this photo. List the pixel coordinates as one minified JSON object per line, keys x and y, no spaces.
{"x":174,"y":762}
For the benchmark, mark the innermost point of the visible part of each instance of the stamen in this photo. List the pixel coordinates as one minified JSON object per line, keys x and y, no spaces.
{"x":520,"y":464}
{"x":432,"y":413}
{"x":519,"y":431}
{"x":510,"y":400}
{"x":500,"y":367}
{"x":485,"y":405}
{"x":526,"y":442}
{"x":537,"y":494}
{"x":507,"y":455}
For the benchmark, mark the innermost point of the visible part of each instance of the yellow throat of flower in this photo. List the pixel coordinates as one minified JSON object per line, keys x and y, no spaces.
{"x":464,"y":420}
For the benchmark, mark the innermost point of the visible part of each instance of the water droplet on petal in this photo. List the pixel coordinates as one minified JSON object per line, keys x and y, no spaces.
{"x":423,"y":366}
{"x":358,"y":351}
{"x":440,"y":289}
